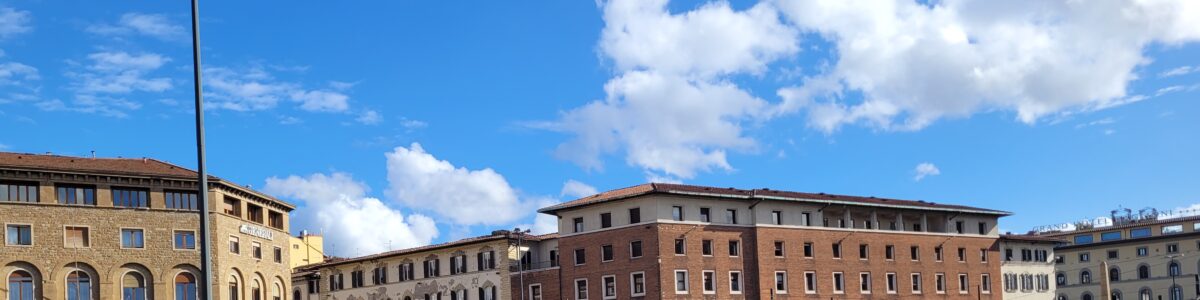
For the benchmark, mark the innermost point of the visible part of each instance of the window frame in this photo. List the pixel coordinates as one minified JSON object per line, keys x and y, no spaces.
{"x":87,"y":236}
{"x":711,"y":277}
{"x":865,"y":286}
{"x":735,"y":282}
{"x":810,"y":282}
{"x":915,"y":285}
{"x":121,"y":238}
{"x":175,"y":240}
{"x":775,"y":285}
{"x":604,"y":287}
{"x":32,"y":235}
{"x":839,"y":283}
{"x":586,"y":289}
{"x":633,"y":284}
{"x":686,"y":284}
{"x":639,"y":253}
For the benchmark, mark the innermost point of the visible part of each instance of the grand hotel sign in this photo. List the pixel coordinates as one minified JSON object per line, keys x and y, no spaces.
{"x":257,"y":231}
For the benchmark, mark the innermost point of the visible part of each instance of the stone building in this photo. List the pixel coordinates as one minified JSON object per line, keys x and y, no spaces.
{"x":119,"y":228}
{"x":472,"y":268}
{"x":1027,"y":268}
{"x":670,"y":241}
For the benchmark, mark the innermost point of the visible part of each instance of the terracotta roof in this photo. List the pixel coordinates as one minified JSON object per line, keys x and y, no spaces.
{"x":499,"y":235}
{"x":1031,"y":238}
{"x":757,"y":194}
{"x":129,"y":166}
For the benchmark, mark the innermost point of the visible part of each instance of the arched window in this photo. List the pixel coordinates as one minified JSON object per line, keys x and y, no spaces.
{"x":133,"y":286}
{"x":1114,"y":274}
{"x":1144,"y":294}
{"x":1085,"y":277}
{"x":20,"y":285}
{"x":234,"y":288}
{"x":255,"y":290}
{"x":1173,"y":269}
{"x":276,"y":292}
{"x":1143,"y":272}
{"x":1116,"y":295}
{"x":1086,"y":296}
{"x":1060,"y":279}
{"x":79,"y":286}
{"x":1061,"y":297}
{"x":1176,"y":293}
{"x":185,"y":286}
{"x":296,"y":295}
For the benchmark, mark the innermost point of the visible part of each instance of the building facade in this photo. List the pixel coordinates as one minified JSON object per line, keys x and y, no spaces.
{"x":1028,"y":266}
{"x":473,"y":268}
{"x":668,"y":241}
{"x":104,"y":228}
{"x":1147,"y":258}
{"x":307,"y":249}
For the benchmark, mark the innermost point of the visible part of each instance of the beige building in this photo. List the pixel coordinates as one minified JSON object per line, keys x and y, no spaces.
{"x":1147,"y":258}
{"x":307,"y":249}
{"x":473,"y":268}
{"x":104,"y":228}
{"x":1027,"y":266}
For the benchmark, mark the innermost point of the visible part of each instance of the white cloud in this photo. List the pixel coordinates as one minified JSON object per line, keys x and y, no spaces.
{"x":4,"y":147}
{"x":153,"y":25}
{"x":542,"y":223}
{"x":14,"y":22}
{"x":1180,"y":71}
{"x":255,"y":89}
{"x":289,"y":120}
{"x":915,"y":64}
{"x":925,"y":169}
{"x":120,"y":73}
{"x":462,"y":196}
{"x":413,"y":124}
{"x":13,"y":73}
{"x":326,"y":101}
{"x":370,"y":117}
{"x":337,"y":205}
{"x":1176,"y":89}
{"x":576,"y":189}
{"x":1104,"y":121}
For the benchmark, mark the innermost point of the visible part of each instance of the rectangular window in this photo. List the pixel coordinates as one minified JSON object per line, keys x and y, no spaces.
{"x":677,"y":213}
{"x":680,"y":248}
{"x":18,"y":192}
{"x":735,"y":248}
{"x":278,"y":255}
{"x":1110,"y":236}
{"x":185,"y":240}
{"x":535,"y":293}
{"x":553,"y":258}
{"x":731,"y":216}
{"x":76,"y":237}
{"x":864,"y":283}
{"x":275,"y":219}
{"x":1083,"y":239}
{"x":606,"y":253}
{"x":891,"y":283}
{"x":76,"y":195}
{"x":605,"y":220}
{"x":635,"y":249}
{"x":681,"y":282}
{"x":709,"y":282}
{"x":937,"y":253}
{"x":939,"y":282}
{"x":778,"y":248}
{"x":1008,"y":254}
{"x":706,"y":248}
{"x":234,"y":245}
{"x":863,"y":251}
{"x":839,"y":286}
{"x":1172,"y":248}
{"x":635,"y":215}
{"x":254,"y":213}
{"x":805,"y":219}
{"x":638,"y":280}
{"x":1113,"y":254}
{"x":889,"y":252}
{"x":916,"y":283}
{"x":958,"y":227}
{"x":1172,"y":229}
{"x":132,"y":238}
{"x":983,"y":257}
{"x":1139,"y":232}
{"x":837,"y":250}
{"x":232,"y":206}
{"x":983,"y":228}
{"x":1085,"y":257}
{"x":1143,"y":251}
{"x":129,"y":197}
{"x":487,"y":260}
{"x":985,"y":283}
{"x":610,"y":286}
{"x":735,"y":282}
{"x":808,"y":250}
{"x":810,"y":282}
{"x":914,"y":253}
{"x":963,"y":284}
{"x":962,"y":254}
{"x":181,"y":200}
{"x":580,"y":256}
{"x":18,"y":235}
{"x":777,"y":217}
{"x":581,"y":289}
{"x":781,"y":282}
{"x":256,"y":250}
{"x":705,"y":215}
{"x":578,"y":224}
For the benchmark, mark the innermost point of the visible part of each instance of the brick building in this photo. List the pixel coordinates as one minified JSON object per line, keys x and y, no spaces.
{"x":105,"y":228}
{"x":670,"y":241}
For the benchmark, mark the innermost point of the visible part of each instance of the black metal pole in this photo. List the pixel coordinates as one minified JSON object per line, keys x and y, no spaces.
{"x":206,"y":271}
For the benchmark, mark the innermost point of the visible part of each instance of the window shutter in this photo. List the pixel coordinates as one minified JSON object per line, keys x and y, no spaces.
{"x":492,"y":261}
{"x":479,"y":260}
{"x":481,"y":293}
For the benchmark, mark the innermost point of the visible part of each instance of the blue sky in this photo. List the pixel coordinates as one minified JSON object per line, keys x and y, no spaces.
{"x":442,"y":120}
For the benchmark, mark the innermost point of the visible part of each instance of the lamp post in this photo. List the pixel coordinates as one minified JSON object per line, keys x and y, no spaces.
{"x":521,"y":258}
{"x":1174,"y":270}
{"x":206,"y":271}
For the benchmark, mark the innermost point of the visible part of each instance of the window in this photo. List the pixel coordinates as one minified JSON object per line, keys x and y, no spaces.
{"x":76,"y":237}
{"x":731,"y":216}
{"x":808,"y":249}
{"x":605,"y":220}
{"x":256,"y":250}
{"x":1113,"y":254}
{"x":610,"y":286}
{"x":677,"y":213}
{"x":781,"y":282}
{"x":1008,"y":254}
{"x":1083,"y":239}
{"x":706,"y":248}
{"x":185,"y":287}
{"x":777,"y":217}
{"x":939,"y":282}
{"x":76,"y":195}
{"x":234,"y":245}
{"x":1085,"y":277}
{"x":704,"y":215}
{"x":864,"y":283}
{"x":681,"y":282}
{"x":18,"y":235}
{"x":891,"y":283}
{"x":185,"y":240}
{"x":958,"y":227}
{"x":431,"y":268}
{"x":635,"y":249}
{"x":127,"y":197}
{"x":1114,"y":274}
{"x":937,"y":253}
{"x":1085,"y":257}
{"x":1172,"y":229}
{"x":553,"y":258}
{"x":1172,"y":248}
{"x":962,"y":254}
{"x":810,"y":282}
{"x":132,"y":238}
{"x":1143,"y":272}
{"x":1143,"y":251}
{"x":985,"y":283}
{"x":578,"y":224}
{"x":1173,"y":269}
{"x":232,"y":206}
{"x":1110,"y":236}
{"x":983,"y":257}
{"x":635,"y":215}
{"x":356,"y":279}
{"x":19,"y":192}
{"x":863,"y":251}
{"x":638,"y":282}
{"x":181,"y":200}
{"x":983,"y":228}
{"x":580,"y":256}
{"x":838,"y":284}
{"x":916,"y":283}
{"x":254,"y":213}
{"x":914,"y":253}
{"x":606,"y":253}
{"x":837,"y":250}
{"x":379,"y":276}
{"x":889,"y":252}
{"x":680,"y":249}
{"x":1060,"y":279}
{"x":734,"y":248}
{"x":406,"y":272}
{"x":275,"y":219}
{"x":581,"y":289}
{"x":735,"y":282}
{"x":278,"y":255}
{"x":458,"y":263}
{"x":778,"y":248}
{"x":805,"y":219}
{"x":708,"y":282}
{"x":133,"y":286}
{"x":1139,"y":232}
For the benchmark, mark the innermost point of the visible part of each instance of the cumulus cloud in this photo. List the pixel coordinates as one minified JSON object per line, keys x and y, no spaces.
{"x":924,"y":170}
{"x":14,"y":22}
{"x":576,"y":189}
{"x":462,"y":196}
{"x":255,"y":89}
{"x":914,"y":63}
{"x":121,"y":72}
{"x":339,"y":205}
{"x":370,"y":117}
{"x":153,"y":25}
